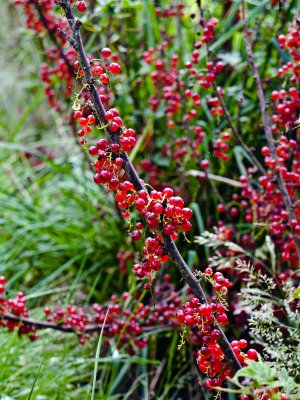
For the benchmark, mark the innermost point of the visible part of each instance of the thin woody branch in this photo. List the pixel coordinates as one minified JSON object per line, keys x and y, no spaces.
{"x":268,"y":130}
{"x":236,"y":132}
{"x":65,"y":328}
{"x":52,"y":36}
{"x":169,"y":244}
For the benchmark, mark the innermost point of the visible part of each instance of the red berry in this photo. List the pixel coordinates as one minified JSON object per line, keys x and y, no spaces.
{"x":77,"y":114}
{"x":252,"y":354}
{"x":281,"y":39}
{"x":81,"y":6}
{"x":221,"y":208}
{"x":222,"y":319}
{"x":119,"y":161}
{"x":91,"y":119}
{"x":93,"y":150}
{"x":265,"y":151}
{"x":83,"y":122}
{"x":106,"y":52}
{"x":2,"y":280}
{"x":115,"y":68}
{"x":204,"y":164}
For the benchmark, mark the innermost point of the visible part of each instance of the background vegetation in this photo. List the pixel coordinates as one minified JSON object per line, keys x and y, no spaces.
{"x":60,"y":233}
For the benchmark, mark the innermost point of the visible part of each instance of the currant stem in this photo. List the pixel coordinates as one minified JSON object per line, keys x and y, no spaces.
{"x":52,"y":35}
{"x":170,"y":246}
{"x":63,"y":328}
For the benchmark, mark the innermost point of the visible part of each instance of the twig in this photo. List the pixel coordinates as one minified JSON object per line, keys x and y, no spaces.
{"x":236,"y":132}
{"x":170,"y":246}
{"x":268,"y":130}
{"x":52,"y":36}
{"x":156,"y":377}
{"x":65,"y":328}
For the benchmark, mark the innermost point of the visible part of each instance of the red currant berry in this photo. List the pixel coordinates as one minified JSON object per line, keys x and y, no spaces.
{"x":106,"y":52}
{"x":81,"y":7}
{"x":115,"y":68}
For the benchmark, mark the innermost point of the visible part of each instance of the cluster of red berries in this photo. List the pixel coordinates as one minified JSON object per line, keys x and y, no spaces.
{"x":127,"y":137}
{"x":172,"y":10}
{"x":267,"y":205}
{"x":161,"y":210}
{"x":211,"y":360}
{"x":174,"y":88}
{"x":287,"y":108}
{"x":209,"y":29}
{"x":205,"y":80}
{"x":86,"y":124}
{"x":266,"y":394}
{"x":202,"y":319}
{"x":221,"y":146}
{"x":71,"y":317}
{"x":180,"y":102}
{"x":126,"y":323}
{"x":123,"y":257}
{"x":214,"y":105}
{"x":57,"y":69}
{"x":291,"y":42}
{"x":102,"y":67}
{"x":214,"y":68}
{"x":155,"y":176}
{"x":15,"y":307}
{"x":154,"y":255}
{"x":157,"y":208}
{"x":202,"y":315}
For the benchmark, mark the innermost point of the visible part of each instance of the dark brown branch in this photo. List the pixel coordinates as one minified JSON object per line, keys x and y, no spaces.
{"x":52,"y":35}
{"x":69,"y":329}
{"x":170,"y":246}
{"x":268,"y":130}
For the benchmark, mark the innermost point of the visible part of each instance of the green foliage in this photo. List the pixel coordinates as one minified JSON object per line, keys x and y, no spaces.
{"x":60,"y":233}
{"x":258,"y":376}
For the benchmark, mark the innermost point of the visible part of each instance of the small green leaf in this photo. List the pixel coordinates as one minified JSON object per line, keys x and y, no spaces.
{"x":296,"y":294}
